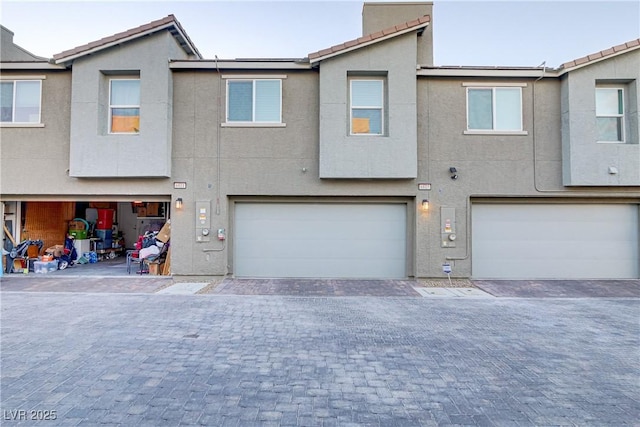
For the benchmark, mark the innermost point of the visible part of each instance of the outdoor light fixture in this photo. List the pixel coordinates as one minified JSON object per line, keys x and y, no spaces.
{"x":454,"y":173}
{"x":179,"y":203}
{"x":425,"y":205}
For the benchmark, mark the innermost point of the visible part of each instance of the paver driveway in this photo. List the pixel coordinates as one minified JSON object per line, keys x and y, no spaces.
{"x":149,"y":359}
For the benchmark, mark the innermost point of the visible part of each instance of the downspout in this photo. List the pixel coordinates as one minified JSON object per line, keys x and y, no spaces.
{"x":218,"y":133}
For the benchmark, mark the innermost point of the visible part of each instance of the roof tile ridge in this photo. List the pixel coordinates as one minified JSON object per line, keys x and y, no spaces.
{"x":601,"y":54}
{"x":108,"y":39}
{"x":372,"y":36}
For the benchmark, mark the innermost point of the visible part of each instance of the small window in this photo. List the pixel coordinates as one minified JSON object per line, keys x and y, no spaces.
{"x":124,"y":106}
{"x":610,"y":114}
{"x":367,"y":106}
{"x":494,"y":109}
{"x":20,"y":101}
{"x":254,"y":101}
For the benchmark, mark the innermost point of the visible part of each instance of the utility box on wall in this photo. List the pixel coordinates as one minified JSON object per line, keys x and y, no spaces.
{"x":203,"y":221}
{"x":448,"y":227}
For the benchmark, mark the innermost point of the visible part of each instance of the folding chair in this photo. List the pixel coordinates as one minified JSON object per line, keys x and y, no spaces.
{"x":133,"y":257}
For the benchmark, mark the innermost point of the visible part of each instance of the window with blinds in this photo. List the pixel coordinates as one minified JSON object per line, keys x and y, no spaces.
{"x":494,"y":109}
{"x":367,"y":106}
{"x":254,"y":101}
{"x":124,"y":106}
{"x":20,"y":101}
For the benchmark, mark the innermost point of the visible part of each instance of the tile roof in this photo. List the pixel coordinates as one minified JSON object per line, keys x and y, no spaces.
{"x":169,"y":22}
{"x":594,"y":57}
{"x":368,"y":39}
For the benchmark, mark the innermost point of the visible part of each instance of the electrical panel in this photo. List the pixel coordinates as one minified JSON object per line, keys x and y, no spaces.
{"x":448,"y":227}
{"x":203,"y":221}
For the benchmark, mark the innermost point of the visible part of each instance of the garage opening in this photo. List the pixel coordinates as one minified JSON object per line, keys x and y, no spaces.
{"x":320,"y":240}
{"x":555,"y":241}
{"x":94,"y":238}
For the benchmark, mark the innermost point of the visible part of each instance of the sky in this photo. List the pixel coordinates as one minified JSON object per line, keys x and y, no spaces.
{"x":467,"y":33}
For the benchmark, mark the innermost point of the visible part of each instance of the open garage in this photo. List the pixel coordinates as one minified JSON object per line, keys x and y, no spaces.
{"x":555,"y":241}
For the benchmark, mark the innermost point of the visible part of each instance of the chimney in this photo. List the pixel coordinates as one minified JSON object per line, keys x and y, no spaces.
{"x":382,"y":15}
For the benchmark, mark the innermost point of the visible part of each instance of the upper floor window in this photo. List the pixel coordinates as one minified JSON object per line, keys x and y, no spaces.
{"x":124,"y":106}
{"x":254,"y":101}
{"x":610,"y":114}
{"x":20,"y":101}
{"x":367,"y":106}
{"x":497,"y":109}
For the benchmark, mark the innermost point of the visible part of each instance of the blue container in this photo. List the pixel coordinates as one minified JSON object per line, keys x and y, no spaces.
{"x":105,"y":244}
{"x":105,"y":235}
{"x":92,"y":257}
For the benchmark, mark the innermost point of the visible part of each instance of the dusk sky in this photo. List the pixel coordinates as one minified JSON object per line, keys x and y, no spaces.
{"x":513,"y":33}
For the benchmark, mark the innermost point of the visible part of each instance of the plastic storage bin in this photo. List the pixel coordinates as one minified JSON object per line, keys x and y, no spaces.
{"x":106,"y":239}
{"x":45,"y":266}
{"x":78,"y":234}
{"x":104,"y":235}
{"x":105,"y":244}
{"x":78,"y":228}
{"x":105,"y":219}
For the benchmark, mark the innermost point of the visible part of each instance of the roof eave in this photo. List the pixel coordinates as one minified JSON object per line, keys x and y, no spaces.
{"x":183,"y":40}
{"x":207,"y":64}
{"x":587,"y":62}
{"x":487,"y":72}
{"x":420,"y":27}
{"x":30,"y":65}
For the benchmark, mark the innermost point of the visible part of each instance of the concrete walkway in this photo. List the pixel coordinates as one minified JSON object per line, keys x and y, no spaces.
{"x":148,"y":359}
{"x":433,"y":288}
{"x":561,"y":288}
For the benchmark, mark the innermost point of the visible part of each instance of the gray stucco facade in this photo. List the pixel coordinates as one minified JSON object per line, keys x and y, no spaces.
{"x":390,"y":155}
{"x":145,"y":154}
{"x":427,"y":154}
{"x":589,"y":161}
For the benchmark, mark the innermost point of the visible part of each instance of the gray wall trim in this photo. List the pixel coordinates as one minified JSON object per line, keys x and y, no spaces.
{"x":238,"y":65}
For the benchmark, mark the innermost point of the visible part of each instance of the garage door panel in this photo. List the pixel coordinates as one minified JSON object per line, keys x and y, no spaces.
{"x":310,"y":268}
{"x":562,"y":269}
{"x":306,"y":229}
{"x":313,"y":248}
{"x":320,"y":240}
{"x":555,"y":241}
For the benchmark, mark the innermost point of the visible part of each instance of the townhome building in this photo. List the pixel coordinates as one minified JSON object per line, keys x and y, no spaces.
{"x":363,"y":160}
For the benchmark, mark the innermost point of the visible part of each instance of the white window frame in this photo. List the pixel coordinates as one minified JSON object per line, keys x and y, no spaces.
{"x":252,"y":78}
{"x":493,"y":130}
{"x":618,"y":115}
{"x":17,"y":79}
{"x":114,"y":106}
{"x":361,"y":107}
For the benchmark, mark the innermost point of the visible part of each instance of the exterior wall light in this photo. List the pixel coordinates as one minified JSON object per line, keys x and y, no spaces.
{"x":179,"y":203}
{"x":425,"y":204}
{"x":454,"y":173}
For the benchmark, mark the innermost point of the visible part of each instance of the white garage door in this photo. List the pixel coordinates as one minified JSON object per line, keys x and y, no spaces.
{"x":555,"y":241}
{"x":320,"y":240}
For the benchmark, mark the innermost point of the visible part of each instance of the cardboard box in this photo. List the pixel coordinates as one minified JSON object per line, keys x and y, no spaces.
{"x":154,"y":268}
{"x":153,"y":209}
{"x":77,"y":225}
{"x":19,"y":265}
{"x":142,"y":211}
{"x":56,"y":250}
{"x":164,"y":235}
